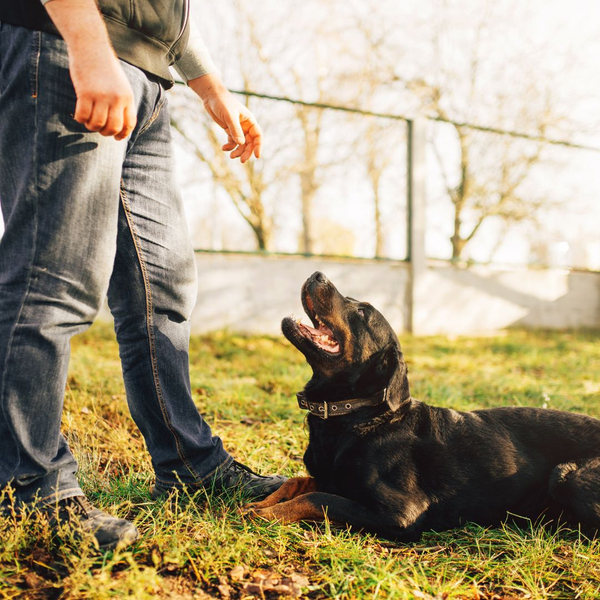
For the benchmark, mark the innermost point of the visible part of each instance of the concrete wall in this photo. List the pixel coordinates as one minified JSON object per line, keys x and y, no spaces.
{"x":479,"y":299}
{"x":253,"y":293}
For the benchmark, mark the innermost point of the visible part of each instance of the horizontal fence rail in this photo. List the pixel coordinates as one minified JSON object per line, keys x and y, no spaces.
{"x":397,"y":117}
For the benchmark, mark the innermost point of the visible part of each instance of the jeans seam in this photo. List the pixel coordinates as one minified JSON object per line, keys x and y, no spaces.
{"x":155,"y":112}
{"x":150,"y":330}
{"x":36,"y":66}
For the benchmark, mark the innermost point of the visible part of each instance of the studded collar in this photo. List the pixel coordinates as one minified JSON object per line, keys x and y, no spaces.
{"x":326,"y":409}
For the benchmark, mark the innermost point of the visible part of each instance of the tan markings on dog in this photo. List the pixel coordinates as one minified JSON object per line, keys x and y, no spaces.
{"x":296,"y":486}
{"x":297,"y":509}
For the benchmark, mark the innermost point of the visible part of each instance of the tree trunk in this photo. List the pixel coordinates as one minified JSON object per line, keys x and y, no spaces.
{"x":458,"y":245}
{"x":460,"y":194}
{"x":308,"y":188}
{"x":308,"y":174}
{"x":377,"y":214}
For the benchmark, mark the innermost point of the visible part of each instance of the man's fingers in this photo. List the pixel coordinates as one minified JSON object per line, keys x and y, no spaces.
{"x":112,"y":118}
{"x":244,"y":151}
{"x":254,"y":131}
{"x":105,"y":100}
{"x":98,"y":117}
{"x":129,"y":121}
{"x":247,"y":153}
{"x":244,"y":135}
{"x":238,"y":151}
{"x":83,"y":109}
{"x":229,"y":145}
{"x":258,"y":147}
{"x":234,"y":129}
{"x":114,"y":122}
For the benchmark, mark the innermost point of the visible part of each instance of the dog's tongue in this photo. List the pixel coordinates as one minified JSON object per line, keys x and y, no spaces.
{"x":322,"y":337}
{"x":312,"y":329}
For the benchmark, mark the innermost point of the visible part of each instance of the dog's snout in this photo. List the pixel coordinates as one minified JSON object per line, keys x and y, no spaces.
{"x":319,"y":277}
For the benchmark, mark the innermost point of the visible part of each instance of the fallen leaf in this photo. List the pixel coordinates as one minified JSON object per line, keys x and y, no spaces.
{"x":300,"y":580}
{"x":33,"y":580}
{"x":237,"y":573}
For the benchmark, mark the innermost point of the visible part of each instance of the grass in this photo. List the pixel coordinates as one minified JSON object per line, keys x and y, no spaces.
{"x":201,"y":546}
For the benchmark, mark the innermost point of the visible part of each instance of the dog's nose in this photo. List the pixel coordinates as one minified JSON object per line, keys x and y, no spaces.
{"x":319,"y":277}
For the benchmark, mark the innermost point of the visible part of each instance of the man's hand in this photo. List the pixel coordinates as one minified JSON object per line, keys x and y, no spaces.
{"x":244,"y":135}
{"x":105,"y":100}
{"x":104,"y":97}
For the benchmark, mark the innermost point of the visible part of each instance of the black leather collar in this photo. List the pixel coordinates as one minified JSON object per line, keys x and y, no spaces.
{"x":326,"y":409}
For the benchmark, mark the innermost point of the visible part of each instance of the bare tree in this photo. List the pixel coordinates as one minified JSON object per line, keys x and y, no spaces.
{"x":292,"y":150}
{"x":461,"y":69}
{"x":299,"y":81}
{"x":491,"y":169}
{"x":245,"y":186}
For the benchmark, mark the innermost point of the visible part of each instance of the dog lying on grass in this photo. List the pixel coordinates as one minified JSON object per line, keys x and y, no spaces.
{"x":382,"y":462}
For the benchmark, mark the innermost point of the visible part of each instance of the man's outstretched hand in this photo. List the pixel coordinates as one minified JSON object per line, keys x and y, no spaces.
{"x":244,"y":135}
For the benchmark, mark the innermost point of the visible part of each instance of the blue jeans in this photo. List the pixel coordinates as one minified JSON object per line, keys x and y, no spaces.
{"x":86,"y":216}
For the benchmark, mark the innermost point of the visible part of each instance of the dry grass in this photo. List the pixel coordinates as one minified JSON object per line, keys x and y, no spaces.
{"x":193,"y":547}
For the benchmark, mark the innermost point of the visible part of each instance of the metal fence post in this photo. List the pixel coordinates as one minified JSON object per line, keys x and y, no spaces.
{"x":416,"y":198}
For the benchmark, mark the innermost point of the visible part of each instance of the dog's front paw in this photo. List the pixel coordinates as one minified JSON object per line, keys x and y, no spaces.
{"x":268,"y":513}
{"x":252,"y":506}
{"x":251,"y":509}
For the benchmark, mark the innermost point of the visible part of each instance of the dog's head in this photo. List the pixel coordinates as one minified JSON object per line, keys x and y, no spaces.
{"x":351,"y":348}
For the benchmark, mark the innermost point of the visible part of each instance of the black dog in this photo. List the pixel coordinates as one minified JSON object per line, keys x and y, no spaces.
{"x":383,"y":462}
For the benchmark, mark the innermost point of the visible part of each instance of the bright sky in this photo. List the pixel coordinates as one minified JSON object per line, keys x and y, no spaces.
{"x":524,"y":42}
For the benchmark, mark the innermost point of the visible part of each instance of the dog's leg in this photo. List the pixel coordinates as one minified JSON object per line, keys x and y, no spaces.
{"x":293,"y":487}
{"x":316,"y":506}
{"x":577,"y":489}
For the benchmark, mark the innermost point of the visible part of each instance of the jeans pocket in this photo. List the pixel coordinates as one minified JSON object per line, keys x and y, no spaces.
{"x":160,"y":101}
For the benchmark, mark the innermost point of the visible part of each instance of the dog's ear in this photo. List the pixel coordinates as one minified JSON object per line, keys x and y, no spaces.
{"x":392,"y":372}
{"x":386,"y":369}
{"x":398,"y":389}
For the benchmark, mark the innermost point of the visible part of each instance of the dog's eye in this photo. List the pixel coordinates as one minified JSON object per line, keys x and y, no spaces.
{"x":361,"y":312}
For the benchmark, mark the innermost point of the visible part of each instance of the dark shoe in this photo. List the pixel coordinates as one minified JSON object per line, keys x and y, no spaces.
{"x":235,"y":477}
{"x":240,"y":477}
{"x":110,"y":532}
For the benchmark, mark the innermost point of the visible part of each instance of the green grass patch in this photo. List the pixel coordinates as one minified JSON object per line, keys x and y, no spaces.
{"x":194,"y":547}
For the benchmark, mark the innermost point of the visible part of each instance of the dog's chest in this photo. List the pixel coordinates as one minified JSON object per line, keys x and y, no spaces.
{"x":329,"y":457}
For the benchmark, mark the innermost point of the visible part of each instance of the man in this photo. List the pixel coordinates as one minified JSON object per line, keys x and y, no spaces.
{"x":91,"y":209}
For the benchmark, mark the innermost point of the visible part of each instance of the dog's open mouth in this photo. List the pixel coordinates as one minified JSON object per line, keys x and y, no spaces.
{"x":322,"y":337}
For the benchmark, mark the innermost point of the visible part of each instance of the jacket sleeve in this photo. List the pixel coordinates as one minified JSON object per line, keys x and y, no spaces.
{"x":196,"y":60}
